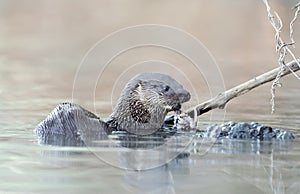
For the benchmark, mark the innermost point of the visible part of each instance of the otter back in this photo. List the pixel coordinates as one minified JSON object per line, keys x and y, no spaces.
{"x":70,"y":124}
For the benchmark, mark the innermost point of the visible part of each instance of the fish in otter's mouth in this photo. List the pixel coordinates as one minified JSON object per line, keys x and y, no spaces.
{"x":176,"y":107}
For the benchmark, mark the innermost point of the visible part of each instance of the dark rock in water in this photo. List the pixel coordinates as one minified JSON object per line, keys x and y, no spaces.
{"x":233,"y":130}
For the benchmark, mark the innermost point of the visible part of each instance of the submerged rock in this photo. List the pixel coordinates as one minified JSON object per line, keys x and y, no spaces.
{"x":241,"y":130}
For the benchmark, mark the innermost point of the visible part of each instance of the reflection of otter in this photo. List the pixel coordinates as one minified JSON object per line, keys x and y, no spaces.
{"x":141,"y":109}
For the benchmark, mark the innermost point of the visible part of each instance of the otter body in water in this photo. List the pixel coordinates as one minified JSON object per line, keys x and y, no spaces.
{"x":69,"y":124}
{"x":141,"y":109}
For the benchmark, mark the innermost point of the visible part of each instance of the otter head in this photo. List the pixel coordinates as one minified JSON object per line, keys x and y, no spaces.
{"x":145,"y":101}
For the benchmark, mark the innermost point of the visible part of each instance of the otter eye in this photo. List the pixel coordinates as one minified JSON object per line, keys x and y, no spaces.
{"x":167,"y":88}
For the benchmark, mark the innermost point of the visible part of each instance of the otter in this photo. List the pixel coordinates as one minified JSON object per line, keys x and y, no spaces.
{"x":145,"y":102}
{"x":141,"y":109}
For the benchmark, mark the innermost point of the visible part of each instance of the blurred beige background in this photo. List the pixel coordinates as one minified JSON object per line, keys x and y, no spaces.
{"x":43,"y":42}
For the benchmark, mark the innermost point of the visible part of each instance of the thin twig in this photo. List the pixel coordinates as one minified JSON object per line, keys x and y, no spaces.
{"x":221,"y":100}
{"x":281,"y":48}
{"x":297,"y":7}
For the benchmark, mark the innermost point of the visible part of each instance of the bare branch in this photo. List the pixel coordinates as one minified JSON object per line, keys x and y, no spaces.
{"x":221,"y":100}
{"x":297,"y":7}
{"x":274,"y":75}
{"x":281,"y":48}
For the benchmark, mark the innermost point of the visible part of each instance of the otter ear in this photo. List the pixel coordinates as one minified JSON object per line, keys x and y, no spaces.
{"x":140,"y":84}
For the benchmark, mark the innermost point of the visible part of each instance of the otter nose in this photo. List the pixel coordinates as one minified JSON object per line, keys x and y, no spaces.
{"x":184,"y":95}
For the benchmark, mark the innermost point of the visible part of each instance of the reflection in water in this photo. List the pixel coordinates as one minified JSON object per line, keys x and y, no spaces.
{"x":234,"y":146}
{"x":158,"y":180}
{"x":259,"y":163}
{"x":263,"y":171}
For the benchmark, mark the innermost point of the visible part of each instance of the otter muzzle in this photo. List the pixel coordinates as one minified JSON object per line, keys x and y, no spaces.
{"x":183,"y":96}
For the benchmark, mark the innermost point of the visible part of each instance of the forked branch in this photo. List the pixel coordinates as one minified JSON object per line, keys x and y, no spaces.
{"x":274,"y":75}
{"x":223,"y":98}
